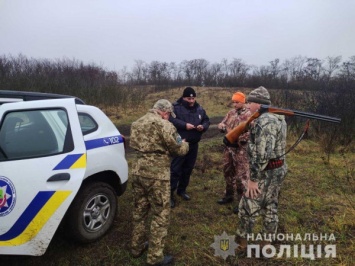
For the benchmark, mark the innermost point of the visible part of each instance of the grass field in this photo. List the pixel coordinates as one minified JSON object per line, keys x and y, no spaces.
{"x":317,"y":197}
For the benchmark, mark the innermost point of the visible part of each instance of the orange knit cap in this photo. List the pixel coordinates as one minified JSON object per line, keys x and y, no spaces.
{"x":238,"y":97}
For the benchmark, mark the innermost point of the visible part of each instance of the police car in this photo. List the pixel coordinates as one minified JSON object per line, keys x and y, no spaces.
{"x":61,"y":161}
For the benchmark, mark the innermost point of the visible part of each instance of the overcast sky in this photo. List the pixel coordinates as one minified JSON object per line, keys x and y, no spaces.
{"x":115,"y":33}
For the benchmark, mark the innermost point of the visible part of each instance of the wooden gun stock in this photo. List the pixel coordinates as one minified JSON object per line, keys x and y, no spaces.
{"x":232,"y":137}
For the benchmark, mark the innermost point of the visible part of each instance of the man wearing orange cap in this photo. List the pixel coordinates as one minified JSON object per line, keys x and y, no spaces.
{"x":235,"y":159}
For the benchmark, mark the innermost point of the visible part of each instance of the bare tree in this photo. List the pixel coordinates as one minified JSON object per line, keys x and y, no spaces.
{"x":313,"y":68}
{"x":138,"y":72}
{"x":332,"y":65}
{"x":238,"y":71}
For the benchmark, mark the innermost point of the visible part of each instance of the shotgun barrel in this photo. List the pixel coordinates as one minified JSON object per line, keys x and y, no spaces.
{"x":232,"y":137}
{"x":288,"y":112}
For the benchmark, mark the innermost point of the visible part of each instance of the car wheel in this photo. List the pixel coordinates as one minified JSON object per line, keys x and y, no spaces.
{"x":92,"y":213}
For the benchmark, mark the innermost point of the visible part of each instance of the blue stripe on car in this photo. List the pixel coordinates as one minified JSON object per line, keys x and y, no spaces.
{"x":102,"y":142}
{"x":27,"y":216}
{"x":68,"y":161}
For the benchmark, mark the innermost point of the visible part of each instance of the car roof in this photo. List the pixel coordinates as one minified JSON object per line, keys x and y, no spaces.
{"x":32,"y":96}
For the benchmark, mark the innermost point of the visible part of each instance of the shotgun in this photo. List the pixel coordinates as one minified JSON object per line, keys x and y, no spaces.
{"x":232,"y":137}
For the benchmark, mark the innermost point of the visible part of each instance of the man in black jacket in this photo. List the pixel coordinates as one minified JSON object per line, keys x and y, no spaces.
{"x":191,"y":122}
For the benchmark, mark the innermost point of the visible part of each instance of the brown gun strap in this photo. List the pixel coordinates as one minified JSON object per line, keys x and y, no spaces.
{"x":306,"y":127}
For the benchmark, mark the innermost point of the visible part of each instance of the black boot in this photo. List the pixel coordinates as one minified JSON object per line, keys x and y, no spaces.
{"x":225,"y":200}
{"x":184,"y":195}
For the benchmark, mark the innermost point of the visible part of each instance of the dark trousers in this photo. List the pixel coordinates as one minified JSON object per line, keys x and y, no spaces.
{"x":181,"y":169}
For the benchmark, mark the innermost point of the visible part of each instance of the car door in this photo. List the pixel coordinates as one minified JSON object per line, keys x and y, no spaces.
{"x":42,"y":165}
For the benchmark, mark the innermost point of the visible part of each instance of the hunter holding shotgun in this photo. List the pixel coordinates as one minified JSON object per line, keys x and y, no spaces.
{"x":266,"y":150}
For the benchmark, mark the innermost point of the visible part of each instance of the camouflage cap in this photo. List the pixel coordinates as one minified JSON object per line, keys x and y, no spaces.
{"x":259,"y":95}
{"x":165,"y":106}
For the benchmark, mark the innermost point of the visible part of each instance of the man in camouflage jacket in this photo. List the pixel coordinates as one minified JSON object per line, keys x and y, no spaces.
{"x":235,"y":159}
{"x":268,"y":168}
{"x":155,"y":139}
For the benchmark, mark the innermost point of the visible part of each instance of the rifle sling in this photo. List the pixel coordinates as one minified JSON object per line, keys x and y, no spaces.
{"x":298,"y":140}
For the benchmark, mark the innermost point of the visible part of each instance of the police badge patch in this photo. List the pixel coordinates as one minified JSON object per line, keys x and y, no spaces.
{"x":7,"y":196}
{"x":224,"y":245}
{"x":178,"y":139}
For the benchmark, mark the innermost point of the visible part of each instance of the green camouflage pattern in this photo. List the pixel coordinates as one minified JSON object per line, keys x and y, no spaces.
{"x":267,"y":141}
{"x":150,"y":195}
{"x":265,"y":204}
{"x":155,"y":141}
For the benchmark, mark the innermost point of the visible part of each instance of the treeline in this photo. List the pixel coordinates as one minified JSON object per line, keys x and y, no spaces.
{"x":324,"y":86}
{"x":299,"y":73}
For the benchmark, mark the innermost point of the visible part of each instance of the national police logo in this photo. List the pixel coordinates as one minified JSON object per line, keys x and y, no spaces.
{"x":224,"y":245}
{"x":7,"y":196}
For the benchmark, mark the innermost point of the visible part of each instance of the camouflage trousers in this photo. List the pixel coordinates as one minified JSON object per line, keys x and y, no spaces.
{"x":150,"y":195}
{"x":236,"y":170}
{"x":265,"y":204}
